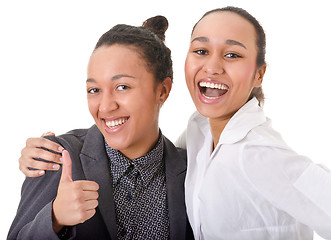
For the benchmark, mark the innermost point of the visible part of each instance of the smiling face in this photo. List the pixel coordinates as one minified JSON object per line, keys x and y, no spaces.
{"x":124,"y":99}
{"x":220,"y":67}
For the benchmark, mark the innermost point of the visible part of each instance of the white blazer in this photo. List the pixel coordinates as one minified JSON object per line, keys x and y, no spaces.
{"x":252,"y":186}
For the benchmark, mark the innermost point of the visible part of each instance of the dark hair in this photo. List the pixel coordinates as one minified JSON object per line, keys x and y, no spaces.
{"x":260,"y":42}
{"x":148,"y":40}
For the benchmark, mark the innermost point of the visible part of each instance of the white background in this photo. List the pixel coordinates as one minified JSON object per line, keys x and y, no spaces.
{"x":45,"y":46}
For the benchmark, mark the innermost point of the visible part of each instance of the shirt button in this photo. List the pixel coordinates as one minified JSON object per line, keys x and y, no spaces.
{"x":123,"y":232}
{"x":128,"y":197}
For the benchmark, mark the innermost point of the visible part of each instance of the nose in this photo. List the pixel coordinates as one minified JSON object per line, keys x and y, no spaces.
{"x":213,"y":65}
{"x":108,"y":103}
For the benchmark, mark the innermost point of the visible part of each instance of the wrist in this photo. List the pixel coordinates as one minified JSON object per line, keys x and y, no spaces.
{"x":56,"y":225}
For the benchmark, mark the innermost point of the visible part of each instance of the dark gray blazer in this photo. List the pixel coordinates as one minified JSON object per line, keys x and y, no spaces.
{"x":89,"y":162}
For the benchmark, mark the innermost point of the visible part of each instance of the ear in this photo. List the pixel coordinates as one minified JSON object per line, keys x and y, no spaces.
{"x":164,"y":89}
{"x":259,"y":75}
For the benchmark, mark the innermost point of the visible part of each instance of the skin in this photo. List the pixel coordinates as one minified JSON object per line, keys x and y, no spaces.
{"x":226,"y":57}
{"x":75,"y":201}
{"x":118,"y":87}
{"x":134,"y":93}
{"x":32,"y":150}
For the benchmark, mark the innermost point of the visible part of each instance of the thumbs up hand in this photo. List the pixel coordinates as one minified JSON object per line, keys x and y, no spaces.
{"x":75,"y":201}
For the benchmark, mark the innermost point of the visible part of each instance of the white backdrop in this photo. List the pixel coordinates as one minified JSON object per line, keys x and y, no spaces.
{"x":45,"y":46}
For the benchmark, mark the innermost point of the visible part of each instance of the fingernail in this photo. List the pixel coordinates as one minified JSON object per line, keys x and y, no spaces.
{"x":56,"y":167}
{"x":60,"y":149}
{"x":61,"y":159}
{"x":41,"y":173}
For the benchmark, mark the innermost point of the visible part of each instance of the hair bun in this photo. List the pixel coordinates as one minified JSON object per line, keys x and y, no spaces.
{"x":157,"y":25}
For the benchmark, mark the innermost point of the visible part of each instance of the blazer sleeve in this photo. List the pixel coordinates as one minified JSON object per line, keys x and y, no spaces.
{"x":292,"y":183}
{"x":33,"y":219}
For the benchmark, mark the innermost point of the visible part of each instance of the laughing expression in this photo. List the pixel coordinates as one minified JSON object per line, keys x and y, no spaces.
{"x":220,"y":67}
{"x":122,"y":98}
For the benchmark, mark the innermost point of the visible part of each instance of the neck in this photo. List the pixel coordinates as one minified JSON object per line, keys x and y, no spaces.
{"x":142,"y":147}
{"x":217,"y":126}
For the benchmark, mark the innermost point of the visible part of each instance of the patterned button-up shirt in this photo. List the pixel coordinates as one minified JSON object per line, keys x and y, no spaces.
{"x":140,"y":194}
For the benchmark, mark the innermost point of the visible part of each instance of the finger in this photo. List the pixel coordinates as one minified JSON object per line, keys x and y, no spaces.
{"x":32,"y":173}
{"x":46,"y":155}
{"x":40,"y":165}
{"x":44,"y":143}
{"x":48,"y":134}
{"x":29,"y":155}
{"x":88,"y":214}
{"x":86,"y":185}
{"x":90,"y":195}
{"x":66,"y":175}
{"x":91,"y":204}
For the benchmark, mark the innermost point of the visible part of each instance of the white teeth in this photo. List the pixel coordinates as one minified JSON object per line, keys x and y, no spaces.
{"x":213,"y":85}
{"x":209,"y":97}
{"x":116,"y":123}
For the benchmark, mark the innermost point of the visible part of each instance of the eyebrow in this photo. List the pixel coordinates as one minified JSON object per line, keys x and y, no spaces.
{"x":115,"y":77}
{"x":200,"y":39}
{"x":234,"y":42}
{"x":228,"y":42}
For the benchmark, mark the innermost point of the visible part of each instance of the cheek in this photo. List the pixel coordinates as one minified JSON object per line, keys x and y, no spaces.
{"x":142,"y":104}
{"x":150,"y":111}
{"x":93,"y":107}
{"x":190,"y":71}
{"x":246,"y":73}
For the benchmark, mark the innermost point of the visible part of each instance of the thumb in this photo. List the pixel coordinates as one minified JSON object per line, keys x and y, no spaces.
{"x":66,"y":175}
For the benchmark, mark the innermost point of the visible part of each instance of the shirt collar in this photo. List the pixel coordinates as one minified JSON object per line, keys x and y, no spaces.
{"x":245,"y":119}
{"x":146,"y":165}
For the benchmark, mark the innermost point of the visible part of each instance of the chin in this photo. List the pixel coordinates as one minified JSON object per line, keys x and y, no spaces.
{"x":208,"y":113}
{"x":116,"y":144}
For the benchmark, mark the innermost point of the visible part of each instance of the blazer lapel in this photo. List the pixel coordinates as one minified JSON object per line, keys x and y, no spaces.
{"x":175,"y":165}
{"x":96,"y":168}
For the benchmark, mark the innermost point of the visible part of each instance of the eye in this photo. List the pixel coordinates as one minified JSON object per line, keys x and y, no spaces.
{"x":122,"y":87}
{"x":93,"y":90}
{"x":201,"y":52}
{"x":232,"y":55}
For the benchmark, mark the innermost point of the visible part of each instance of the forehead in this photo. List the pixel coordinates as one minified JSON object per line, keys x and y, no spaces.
{"x":116,"y":53}
{"x":116,"y":58}
{"x":225,"y":25}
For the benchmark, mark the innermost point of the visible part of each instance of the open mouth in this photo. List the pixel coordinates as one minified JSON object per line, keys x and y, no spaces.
{"x":116,"y":123}
{"x":212,"y":90}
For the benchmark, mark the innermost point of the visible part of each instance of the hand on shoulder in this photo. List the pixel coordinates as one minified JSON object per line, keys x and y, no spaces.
{"x":31,"y":161}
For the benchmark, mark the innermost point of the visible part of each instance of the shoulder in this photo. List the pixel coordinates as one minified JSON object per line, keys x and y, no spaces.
{"x":264,"y":155}
{"x":75,"y":136}
{"x":170,"y":147}
{"x":262,"y":136}
{"x":181,"y":140}
{"x":175,"y":157}
{"x":74,"y":139}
